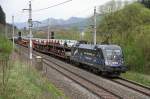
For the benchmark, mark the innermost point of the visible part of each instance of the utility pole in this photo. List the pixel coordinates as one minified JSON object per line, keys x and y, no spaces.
{"x":48,"y":29}
{"x":30,"y":29}
{"x":13,"y":30}
{"x":94,"y":26}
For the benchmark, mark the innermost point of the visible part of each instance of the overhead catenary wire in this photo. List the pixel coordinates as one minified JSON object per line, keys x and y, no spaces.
{"x":52,"y":6}
{"x":80,"y":12}
{"x":77,"y":13}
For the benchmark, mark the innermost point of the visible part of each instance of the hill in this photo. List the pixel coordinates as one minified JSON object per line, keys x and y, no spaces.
{"x":71,"y":22}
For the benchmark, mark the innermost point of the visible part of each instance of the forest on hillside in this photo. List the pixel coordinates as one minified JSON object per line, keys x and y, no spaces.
{"x":129,"y":26}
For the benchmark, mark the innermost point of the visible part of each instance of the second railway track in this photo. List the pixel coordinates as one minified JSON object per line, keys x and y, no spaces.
{"x":133,"y":85}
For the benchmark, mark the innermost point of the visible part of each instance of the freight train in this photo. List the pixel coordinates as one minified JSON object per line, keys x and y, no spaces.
{"x":106,"y":59}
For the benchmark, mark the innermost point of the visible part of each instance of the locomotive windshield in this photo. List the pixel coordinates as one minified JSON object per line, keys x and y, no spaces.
{"x":113,"y":57}
{"x":113,"y":54}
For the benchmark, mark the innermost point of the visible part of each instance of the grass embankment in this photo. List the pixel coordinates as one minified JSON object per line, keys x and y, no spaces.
{"x":19,"y":80}
{"x":26,"y":83}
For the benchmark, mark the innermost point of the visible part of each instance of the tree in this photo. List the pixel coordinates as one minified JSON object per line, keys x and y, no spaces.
{"x":145,"y":2}
{"x":124,"y":20}
{"x":2,"y":16}
{"x":108,"y":12}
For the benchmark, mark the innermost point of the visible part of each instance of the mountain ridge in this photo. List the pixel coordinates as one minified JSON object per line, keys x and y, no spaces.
{"x":55,"y":22}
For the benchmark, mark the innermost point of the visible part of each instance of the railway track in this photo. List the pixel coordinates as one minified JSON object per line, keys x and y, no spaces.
{"x":87,"y":84}
{"x":95,"y":88}
{"x":133,"y":85}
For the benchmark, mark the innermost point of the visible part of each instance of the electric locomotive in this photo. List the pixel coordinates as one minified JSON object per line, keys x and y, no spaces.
{"x":106,"y":59}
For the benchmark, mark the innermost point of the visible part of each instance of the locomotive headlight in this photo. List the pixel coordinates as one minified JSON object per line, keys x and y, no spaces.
{"x":107,"y":62}
{"x":114,"y":63}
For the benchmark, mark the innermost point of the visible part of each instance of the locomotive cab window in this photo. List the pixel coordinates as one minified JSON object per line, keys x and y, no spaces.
{"x":113,"y":54}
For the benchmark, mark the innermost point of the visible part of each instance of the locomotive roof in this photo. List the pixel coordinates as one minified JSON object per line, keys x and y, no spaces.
{"x":93,"y":47}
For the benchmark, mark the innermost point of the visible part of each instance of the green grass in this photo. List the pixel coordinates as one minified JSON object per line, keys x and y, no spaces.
{"x":29,"y":84}
{"x":137,"y":77}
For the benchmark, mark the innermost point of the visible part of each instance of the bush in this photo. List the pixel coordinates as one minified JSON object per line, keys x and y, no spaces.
{"x":5,"y":47}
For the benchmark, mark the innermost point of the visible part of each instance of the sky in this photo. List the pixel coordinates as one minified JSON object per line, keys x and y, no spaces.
{"x":74,"y":8}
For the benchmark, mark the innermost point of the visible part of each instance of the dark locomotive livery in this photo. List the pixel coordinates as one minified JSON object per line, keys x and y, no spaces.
{"x":105,"y":59}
